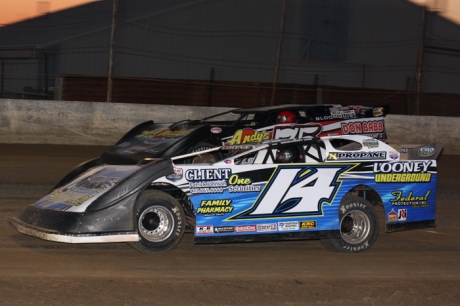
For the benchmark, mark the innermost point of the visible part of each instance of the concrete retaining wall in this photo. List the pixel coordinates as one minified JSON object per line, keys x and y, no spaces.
{"x":424,"y":129}
{"x":91,"y":123}
{"x":83,"y":123}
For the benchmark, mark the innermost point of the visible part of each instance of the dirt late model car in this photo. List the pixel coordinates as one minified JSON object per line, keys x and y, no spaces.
{"x":242,"y":126}
{"x":320,"y":188}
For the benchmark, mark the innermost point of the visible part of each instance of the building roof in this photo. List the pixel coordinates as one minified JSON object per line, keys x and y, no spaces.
{"x":54,"y":27}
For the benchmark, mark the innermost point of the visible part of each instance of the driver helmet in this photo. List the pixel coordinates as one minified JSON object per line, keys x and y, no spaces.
{"x":285,"y":117}
{"x":287,"y":155}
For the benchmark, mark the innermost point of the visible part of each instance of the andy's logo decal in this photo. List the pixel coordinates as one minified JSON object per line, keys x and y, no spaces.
{"x":247,"y":136}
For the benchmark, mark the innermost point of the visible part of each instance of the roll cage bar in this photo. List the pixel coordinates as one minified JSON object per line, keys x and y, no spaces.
{"x":305,"y":147}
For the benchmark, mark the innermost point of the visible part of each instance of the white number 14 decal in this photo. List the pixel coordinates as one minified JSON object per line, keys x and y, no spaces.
{"x":296,"y":191}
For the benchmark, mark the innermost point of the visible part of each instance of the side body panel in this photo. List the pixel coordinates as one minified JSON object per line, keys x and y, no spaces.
{"x":372,"y":127}
{"x":234,"y":200}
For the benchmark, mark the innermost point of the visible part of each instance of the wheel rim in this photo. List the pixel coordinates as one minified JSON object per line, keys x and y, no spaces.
{"x":156,"y":224}
{"x":355,"y":227}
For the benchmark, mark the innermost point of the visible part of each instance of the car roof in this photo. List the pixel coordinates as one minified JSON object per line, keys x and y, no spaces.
{"x":281,"y":107}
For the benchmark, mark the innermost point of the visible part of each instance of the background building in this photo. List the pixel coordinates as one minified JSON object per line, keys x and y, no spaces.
{"x":230,"y":53}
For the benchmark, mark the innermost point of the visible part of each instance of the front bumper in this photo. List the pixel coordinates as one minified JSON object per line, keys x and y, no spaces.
{"x":51,"y":235}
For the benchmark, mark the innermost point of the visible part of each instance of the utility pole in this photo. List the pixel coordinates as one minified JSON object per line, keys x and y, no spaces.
{"x":111,"y":51}
{"x":420,"y":61}
{"x":278,"y":53}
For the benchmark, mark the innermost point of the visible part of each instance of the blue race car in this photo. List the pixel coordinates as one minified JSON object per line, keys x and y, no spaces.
{"x":313,"y":188}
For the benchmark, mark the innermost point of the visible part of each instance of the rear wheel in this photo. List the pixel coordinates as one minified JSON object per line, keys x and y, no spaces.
{"x":359,"y":227}
{"x":160,"y":222}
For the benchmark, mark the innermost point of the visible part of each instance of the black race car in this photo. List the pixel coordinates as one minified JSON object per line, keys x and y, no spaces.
{"x":241,"y":126}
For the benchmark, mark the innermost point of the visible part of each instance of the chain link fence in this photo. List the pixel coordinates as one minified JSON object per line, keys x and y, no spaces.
{"x":246,"y":94}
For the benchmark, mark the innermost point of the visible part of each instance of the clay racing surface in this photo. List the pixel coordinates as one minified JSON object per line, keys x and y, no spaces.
{"x":419,"y":267}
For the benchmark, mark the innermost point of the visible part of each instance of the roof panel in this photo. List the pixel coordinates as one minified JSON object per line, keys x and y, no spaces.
{"x":87,"y":18}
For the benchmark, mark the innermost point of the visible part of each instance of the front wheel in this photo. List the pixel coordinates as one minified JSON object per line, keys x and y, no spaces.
{"x":359,"y":227}
{"x":160,"y":222}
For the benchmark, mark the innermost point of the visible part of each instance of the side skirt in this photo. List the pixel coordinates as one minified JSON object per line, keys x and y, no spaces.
{"x":266,"y":237}
{"x":402,"y":226}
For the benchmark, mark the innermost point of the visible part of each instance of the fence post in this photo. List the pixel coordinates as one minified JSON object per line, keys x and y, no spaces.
{"x":112,"y":46}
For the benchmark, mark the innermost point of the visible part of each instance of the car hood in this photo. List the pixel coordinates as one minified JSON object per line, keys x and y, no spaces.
{"x":150,"y":140}
{"x":104,"y":185}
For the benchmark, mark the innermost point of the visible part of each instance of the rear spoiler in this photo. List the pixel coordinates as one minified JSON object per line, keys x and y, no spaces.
{"x":365,"y":111}
{"x":417,"y":151}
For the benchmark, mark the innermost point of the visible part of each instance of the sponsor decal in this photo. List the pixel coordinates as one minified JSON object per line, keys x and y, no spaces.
{"x":357,"y":155}
{"x":207,"y":187}
{"x":288,"y":226}
{"x":305,"y":190}
{"x":377,"y":112}
{"x":237,"y":148}
{"x":214,"y":207}
{"x":163,"y":133}
{"x":96,"y":183}
{"x":223,"y":229}
{"x":394,"y":155}
{"x":245,"y":228}
{"x":176,"y":176}
{"x":392,"y":216}
{"x":76,"y":195}
{"x":70,"y":199}
{"x":410,"y":199}
{"x":402,"y":214}
{"x":409,"y":172}
{"x":342,"y":110}
{"x":357,"y":108}
{"x":426,"y":151}
{"x":238,"y":184}
{"x":297,"y":131}
{"x":266,"y":227}
{"x":248,"y":161}
{"x":405,"y":150}
{"x":338,"y":114}
{"x":80,"y":191}
{"x":201,"y":148}
{"x":236,"y":180}
{"x":207,"y":174}
{"x":216,"y":130}
{"x":307,"y":224}
{"x":207,"y":184}
{"x":204,"y":229}
{"x":403,"y":178}
{"x":398,"y":167}
{"x":371,"y":143}
{"x":248,"y":135}
{"x":375,"y":126}
{"x":289,"y":141}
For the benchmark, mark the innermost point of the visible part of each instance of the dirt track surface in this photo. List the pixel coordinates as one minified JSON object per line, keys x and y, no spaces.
{"x":420,"y":267}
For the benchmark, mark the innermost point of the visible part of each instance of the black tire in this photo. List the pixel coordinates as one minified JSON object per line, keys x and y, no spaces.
{"x":208,"y":158}
{"x":160,"y":222}
{"x":359,"y":227}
